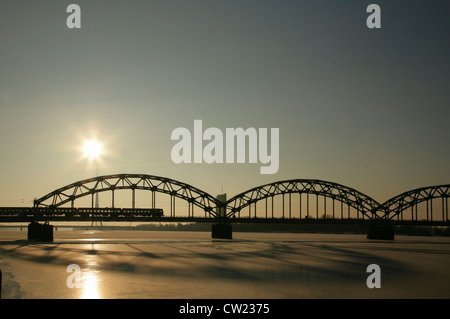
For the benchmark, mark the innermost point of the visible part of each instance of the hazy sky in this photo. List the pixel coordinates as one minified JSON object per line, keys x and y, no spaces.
{"x":366,"y":108}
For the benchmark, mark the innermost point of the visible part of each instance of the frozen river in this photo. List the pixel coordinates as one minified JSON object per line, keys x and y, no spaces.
{"x":164,"y":264}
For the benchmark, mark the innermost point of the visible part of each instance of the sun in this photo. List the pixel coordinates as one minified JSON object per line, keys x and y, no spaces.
{"x":92,"y":149}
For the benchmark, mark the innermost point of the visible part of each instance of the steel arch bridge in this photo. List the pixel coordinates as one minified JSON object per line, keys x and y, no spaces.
{"x":133,"y":182}
{"x":395,"y":206}
{"x":220,"y":212}
{"x":364,"y":204}
{"x":349,"y":196}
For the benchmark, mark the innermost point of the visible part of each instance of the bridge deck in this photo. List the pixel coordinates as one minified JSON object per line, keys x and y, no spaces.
{"x":29,"y":219}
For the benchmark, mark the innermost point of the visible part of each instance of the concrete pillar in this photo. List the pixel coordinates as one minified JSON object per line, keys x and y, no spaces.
{"x":40,"y":232}
{"x":222,"y":231}
{"x":381,"y":231}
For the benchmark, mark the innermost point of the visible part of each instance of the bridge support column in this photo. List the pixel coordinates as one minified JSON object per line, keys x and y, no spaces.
{"x":222,"y":231}
{"x":381,"y":231}
{"x":40,"y":232}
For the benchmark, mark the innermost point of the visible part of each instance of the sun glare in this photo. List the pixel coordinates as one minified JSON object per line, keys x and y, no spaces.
{"x":92,"y":149}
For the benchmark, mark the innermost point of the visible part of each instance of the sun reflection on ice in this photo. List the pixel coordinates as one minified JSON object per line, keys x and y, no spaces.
{"x":90,"y":279}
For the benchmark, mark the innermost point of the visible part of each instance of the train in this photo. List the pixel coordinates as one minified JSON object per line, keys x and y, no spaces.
{"x":81,"y":212}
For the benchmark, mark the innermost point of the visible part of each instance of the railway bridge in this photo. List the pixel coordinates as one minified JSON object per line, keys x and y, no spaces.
{"x":288,"y":202}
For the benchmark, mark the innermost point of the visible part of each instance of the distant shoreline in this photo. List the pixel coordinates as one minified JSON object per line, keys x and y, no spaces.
{"x":259,"y":228}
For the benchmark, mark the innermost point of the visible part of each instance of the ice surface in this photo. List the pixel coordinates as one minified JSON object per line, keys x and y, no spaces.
{"x":165,"y":264}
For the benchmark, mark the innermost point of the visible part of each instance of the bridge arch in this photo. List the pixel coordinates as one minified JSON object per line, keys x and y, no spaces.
{"x":397,"y":204}
{"x":349,"y":196}
{"x":92,"y":186}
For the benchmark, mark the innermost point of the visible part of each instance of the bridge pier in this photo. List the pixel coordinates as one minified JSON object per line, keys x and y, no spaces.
{"x":222,"y":231}
{"x":381,"y":231}
{"x":40,"y":232}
